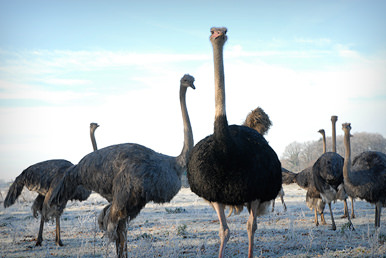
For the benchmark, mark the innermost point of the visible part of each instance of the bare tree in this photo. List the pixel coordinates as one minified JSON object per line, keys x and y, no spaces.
{"x":298,"y":156}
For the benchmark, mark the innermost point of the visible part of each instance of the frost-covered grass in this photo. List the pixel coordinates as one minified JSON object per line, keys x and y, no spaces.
{"x":188,"y":227}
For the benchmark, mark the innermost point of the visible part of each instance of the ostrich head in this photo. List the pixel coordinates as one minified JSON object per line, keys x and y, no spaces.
{"x":259,"y":120}
{"x":346,"y":127}
{"x":187,"y":81}
{"x":218,"y":35}
{"x":334,"y":118}
{"x":93,"y":126}
{"x":321,"y":131}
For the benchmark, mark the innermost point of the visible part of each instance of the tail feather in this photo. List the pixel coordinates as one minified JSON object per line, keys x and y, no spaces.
{"x":60,"y":192}
{"x":14,"y":192}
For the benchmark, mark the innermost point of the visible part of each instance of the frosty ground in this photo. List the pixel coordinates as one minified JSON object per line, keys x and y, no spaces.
{"x":188,"y":227}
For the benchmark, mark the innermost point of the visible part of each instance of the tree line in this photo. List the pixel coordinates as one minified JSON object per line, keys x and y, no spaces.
{"x":298,"y":156}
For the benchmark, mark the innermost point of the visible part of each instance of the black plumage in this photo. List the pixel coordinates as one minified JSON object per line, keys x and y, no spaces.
{"x":231,"y":173}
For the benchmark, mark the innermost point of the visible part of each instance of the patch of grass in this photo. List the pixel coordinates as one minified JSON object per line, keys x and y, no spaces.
{"x":346,"y":226}
{"x":145,"y":236}
{"x":181,"y":230}
{"x":382,"y":238}
{"x":176,"y":210}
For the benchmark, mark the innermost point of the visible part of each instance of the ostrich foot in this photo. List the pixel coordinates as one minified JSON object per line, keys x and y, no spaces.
{"x":38,"y":243}
{"x":59,"y":243}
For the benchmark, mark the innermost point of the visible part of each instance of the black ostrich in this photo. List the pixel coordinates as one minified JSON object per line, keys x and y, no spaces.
{"x":129,"y":176}
{"x":327,"y":175}
{"x":366,"y":177}
{"x":41,"y":178}
{"x":235,"y":165}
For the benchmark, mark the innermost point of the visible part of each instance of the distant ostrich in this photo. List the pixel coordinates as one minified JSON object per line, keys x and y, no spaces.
{"x":328,"y":176}
{"x":235,"y":165}
{"x":313,"y":199}
{"x":323,"y":133}
{"x":366,"y":178}
{"x":304,"y":180}
{"x":93,"y":127}
{"x":341,"y":195}
{"x":41,"y":177}
{"x":129,"y":176}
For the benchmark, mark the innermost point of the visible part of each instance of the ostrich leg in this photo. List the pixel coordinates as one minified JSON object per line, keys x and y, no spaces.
{"x":345,"y":215}
{"x":40,"y":235}
{"x":378,"y":208}
{"x":224,"y":229}
{"x":322,"y":218}
{"x":252,"y":226}
{"x":121,"y":242}
{"x":316,"y":217}
{"x":352,"y":208}
{"x":58,"y":241}
{"x":332,"y":218}
{"x":282,"y":202}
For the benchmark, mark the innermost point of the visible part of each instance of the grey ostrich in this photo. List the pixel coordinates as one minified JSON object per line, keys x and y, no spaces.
{"x":305,"y":180}
{"x":366,"y":177}
{"x":129,"y":176}
{"x":41,"y":177}
{"x":341,"y":195}
{"x":235,"y":165}
{"x":93,"y":127}
{"x":313,"y":199}
{"x":327,"y":175}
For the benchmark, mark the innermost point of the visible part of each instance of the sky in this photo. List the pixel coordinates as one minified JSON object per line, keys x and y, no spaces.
{"x":65,"y":64}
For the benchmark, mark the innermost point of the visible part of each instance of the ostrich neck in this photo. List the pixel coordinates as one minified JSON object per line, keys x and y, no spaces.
{"x":221,"y":123}
{"x":182,"y":159}
{"x":333,"y":135}
{"x":93,"y":141}
{"x":324,"y":142}
{"x":347,"y":157}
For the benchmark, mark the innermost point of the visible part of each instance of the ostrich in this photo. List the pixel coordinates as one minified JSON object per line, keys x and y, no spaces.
{"x":366,"y":178}
{"x":235,"y":165}
{"x":129,"y":176}
{"x":304,"y":180}
{"x":93,"y":127}
{"x":327,"y":175}
{"x":341,"y":195}
{"x":41,"y":177}
{"x":259,"y":120}
{"x":313,"y":199}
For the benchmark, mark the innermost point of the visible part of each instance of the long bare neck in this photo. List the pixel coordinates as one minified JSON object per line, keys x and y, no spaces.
{"x":182,"y":159}
{"x":347,"y":156}
{"x":333,"y":120}
{"x":324,"y":142}
{"x":221,"y":123}
{"x":93,"y":141}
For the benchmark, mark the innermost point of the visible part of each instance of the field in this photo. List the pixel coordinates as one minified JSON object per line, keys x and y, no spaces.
{"x":188,"y":227}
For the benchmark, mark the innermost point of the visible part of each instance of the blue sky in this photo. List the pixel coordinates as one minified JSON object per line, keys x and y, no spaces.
{"x":64,"y":64}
